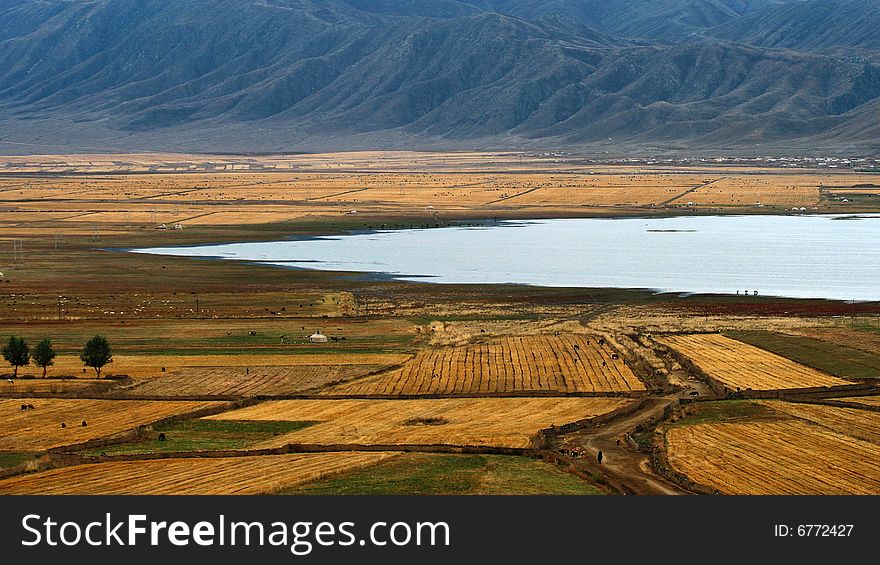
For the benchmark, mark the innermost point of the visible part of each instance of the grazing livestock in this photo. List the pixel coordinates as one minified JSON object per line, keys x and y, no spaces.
{"x":84,"y":424}
{"x":162,"y":437}
{"x":63,"y":425}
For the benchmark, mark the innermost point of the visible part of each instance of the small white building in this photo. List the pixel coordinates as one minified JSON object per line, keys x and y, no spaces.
{"x":318,"y":337}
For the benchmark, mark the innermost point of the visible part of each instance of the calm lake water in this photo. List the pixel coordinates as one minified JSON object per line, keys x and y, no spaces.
{"x":794,"y":256}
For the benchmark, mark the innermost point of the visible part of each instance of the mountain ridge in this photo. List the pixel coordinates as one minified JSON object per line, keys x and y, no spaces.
{"x":315,"y":74}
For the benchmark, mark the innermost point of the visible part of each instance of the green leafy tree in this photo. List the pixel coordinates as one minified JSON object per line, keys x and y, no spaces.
{"x":44,"y":355}
{"x":96,"y":354}
{"x":17,"y":353}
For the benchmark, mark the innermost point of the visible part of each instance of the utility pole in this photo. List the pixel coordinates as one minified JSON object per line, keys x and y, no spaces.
{"x":59,"y":307}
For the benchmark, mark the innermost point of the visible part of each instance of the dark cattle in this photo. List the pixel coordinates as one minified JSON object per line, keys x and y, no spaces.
{"x":162,"y":437}
{"x":63,"y":425}
{"x":84,"y":424}
{"x":30,"y":406}
{"x":615,"y":356}
{"x":24,"y":406}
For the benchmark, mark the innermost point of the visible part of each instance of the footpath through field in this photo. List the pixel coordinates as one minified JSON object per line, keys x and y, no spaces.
{"x":631,"y":468}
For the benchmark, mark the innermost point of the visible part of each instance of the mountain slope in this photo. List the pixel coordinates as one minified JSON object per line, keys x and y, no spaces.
{"x":300,"y":74}
{"x":810,"y":25}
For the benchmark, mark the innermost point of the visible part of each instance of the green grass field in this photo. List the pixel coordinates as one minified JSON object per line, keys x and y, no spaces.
{"x":723,"y":411}
{"x":829,"y":357}
{"x":8,"y":460}
{"x":442,"y":474}
{"x":203,"y":435}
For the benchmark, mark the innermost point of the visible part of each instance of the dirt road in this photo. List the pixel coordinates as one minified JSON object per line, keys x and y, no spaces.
{"x":631,"y":468}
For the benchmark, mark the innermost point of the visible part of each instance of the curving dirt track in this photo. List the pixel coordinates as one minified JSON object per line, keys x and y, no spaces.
{"x":631,"y":468}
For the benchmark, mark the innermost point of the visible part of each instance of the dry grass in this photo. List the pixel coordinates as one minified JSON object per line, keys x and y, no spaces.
{"x":791,"y":457}
{"x":200,"y":191}
{"x":741,"y":366}
{"x":40,"y":428}
{"x":567,"y":363}
{"x":501,"y":422}
{"x":226,"y":476}
{"x":746,"y":191}
{"x":864,"y":340}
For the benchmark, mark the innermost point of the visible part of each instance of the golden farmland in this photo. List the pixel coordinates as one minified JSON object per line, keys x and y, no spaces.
{"x":500,"y":422}
{"x":230,"y":475}
{"x":742,"y":367}
{"x":788,"y":457}
{"x":40,"y":428}
{"x":516,"y":364}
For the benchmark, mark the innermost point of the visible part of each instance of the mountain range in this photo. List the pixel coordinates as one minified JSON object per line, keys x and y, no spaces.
{"x":610,"y":76}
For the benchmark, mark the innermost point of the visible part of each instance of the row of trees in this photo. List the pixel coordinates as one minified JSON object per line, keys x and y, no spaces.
{"x":96,"y":354}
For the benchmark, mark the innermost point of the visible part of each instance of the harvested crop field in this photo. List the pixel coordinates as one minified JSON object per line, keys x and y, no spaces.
{"x":854,"y":422}
{"x":40,"y":428}
{"x":228,"y":475}
{"x":863,"y":400}
{"x":244,"y":382}
{"x":499,"y":422}
{"x":788,"y":457}
{"x":737,"y":365}
{"x":26,"y":386}
{"x":568,"y":364}
{"x":839,"y":359}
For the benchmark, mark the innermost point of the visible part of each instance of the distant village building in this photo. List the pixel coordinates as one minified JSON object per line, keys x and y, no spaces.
{"x":162,"y":227}
{"x":178,"y":226}
{"x":318,"y":337}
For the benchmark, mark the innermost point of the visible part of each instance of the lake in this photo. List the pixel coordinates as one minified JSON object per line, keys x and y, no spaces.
{"x":818,"y":256}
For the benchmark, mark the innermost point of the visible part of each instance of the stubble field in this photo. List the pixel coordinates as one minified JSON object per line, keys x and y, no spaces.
{"x":519,"y":364}
{"x":498,"y":422}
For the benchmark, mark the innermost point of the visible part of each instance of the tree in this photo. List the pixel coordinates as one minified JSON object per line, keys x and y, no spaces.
{"x":44,"y":355}
{"x":17,"y":353}
{"x":96,"y":354}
